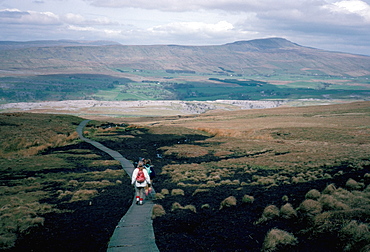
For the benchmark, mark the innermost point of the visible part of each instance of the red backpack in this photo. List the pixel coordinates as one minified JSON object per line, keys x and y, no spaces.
{"x":140,"y":176}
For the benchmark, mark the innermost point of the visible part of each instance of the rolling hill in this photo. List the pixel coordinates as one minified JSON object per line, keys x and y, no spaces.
{"x":262,"y":56}
{"x":262,"y":69}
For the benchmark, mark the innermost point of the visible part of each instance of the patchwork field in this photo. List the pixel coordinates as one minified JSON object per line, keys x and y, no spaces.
{"x":279,"y":179}
{"x":161,"y":85}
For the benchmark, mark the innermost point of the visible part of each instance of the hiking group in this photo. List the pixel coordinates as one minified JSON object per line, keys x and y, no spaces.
{"x":142,"y":178}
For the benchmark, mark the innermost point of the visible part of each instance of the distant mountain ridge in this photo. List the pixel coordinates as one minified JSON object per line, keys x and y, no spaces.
{"x":9,"y":45}
{"x":260,"y":56}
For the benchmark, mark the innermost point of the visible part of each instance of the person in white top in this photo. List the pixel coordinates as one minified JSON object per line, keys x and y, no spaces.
{"x":141,"y":179}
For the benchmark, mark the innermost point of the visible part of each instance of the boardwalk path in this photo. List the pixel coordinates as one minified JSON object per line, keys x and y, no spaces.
{"x":134,"y":232}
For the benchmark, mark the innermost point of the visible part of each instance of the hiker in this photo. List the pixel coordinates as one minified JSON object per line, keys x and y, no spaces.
{"x":141,"y":179}
{"x":149,"y":168}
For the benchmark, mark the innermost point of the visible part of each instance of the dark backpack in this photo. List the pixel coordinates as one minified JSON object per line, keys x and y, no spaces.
{"x":140,"y":176}
{"x":152,"y":172}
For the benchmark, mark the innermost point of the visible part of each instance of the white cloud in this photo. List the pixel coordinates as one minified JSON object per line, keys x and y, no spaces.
{"x":92,"y":30}
{"x":193,"y":27}
{"x":356,"y":7}
{"x":80,"y":28}
{"x":74,"y":18}
{"x":78,"y":19}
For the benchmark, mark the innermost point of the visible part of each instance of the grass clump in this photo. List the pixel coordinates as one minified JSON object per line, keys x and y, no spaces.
{"x":357,"y":236}
{"x":83,"y":194}
{"x":288,"y":212}
{"x":165,"y":191}
{"x":177,"y":205}
{"x":200,"y":190}
{"x":228,"y":202}
{"x":159,"y":196}
{"x":352,"y":184}
{"x":329,"y":202}
{"x":248,"y":199}
{"x":329,"y":189}
{"x":270,"y":212}
{"x":191,"y":208}
{"x":18,"y":217}
{"x":157,"y":211}
{"x":176,"y":192}
{"x":278,"y":240}
{"x":310,"y":207}
{"x":205,"y":206}
{"x":313,"y":194}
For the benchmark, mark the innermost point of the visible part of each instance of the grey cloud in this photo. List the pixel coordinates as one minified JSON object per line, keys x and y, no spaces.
{"x":192,"y":5}
{"x":14,"y":16}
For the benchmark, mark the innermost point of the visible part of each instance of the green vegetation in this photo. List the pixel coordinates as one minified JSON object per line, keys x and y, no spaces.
{"x":41,"y":168}
{"x":162,"y":85}
{"x":57,"y":87}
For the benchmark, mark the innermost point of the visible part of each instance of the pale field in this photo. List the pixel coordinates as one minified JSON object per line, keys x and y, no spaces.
{"x":296,"y":139}
{"x":328,"y":116}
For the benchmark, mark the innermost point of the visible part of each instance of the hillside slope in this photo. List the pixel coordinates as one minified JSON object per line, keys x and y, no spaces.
{"x":263,"y":56}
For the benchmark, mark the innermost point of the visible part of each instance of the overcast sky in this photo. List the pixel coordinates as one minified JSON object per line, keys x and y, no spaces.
{"x":334,"y":25}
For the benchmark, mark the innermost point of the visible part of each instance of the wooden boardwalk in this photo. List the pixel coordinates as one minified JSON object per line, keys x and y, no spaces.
{"x":134,"y":232}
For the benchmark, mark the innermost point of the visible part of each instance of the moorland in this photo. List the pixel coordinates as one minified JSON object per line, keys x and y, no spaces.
{"x":289,"y":179}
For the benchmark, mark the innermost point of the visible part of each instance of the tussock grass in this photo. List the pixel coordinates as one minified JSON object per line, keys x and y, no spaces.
{"x":191,"y":208}
{"x":205,"y":206}
{"x":7,"y":240}
{"x":329,"y":202}
{"x":20,"y":138}
{"x":159,"y":196}
{"x":288,"y":212}
{"x":357,"y":236}
{"x":165,"y":191}
{"x":353,"y":184}
{"x":97,"y":184}
{"x":64,"y":194}
{"x":177,"y":205}
{"x":270,"y":212}
{"x":200,"y":190}
{"x":17,"y":217}
{"x":248,"y":199}
{"x":83,"y":195}
{"x":157,"y":211}
{"x":228,"y":202}
{"x":285,"y":198}
{"x":313,"y":194}
{"x":175,"y":192}
{"x":310,"y":207}
{"x":104,"y":163}
{"x":186,"y":151}
{"x":278,"y":240}
{"x":329,"y":189}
